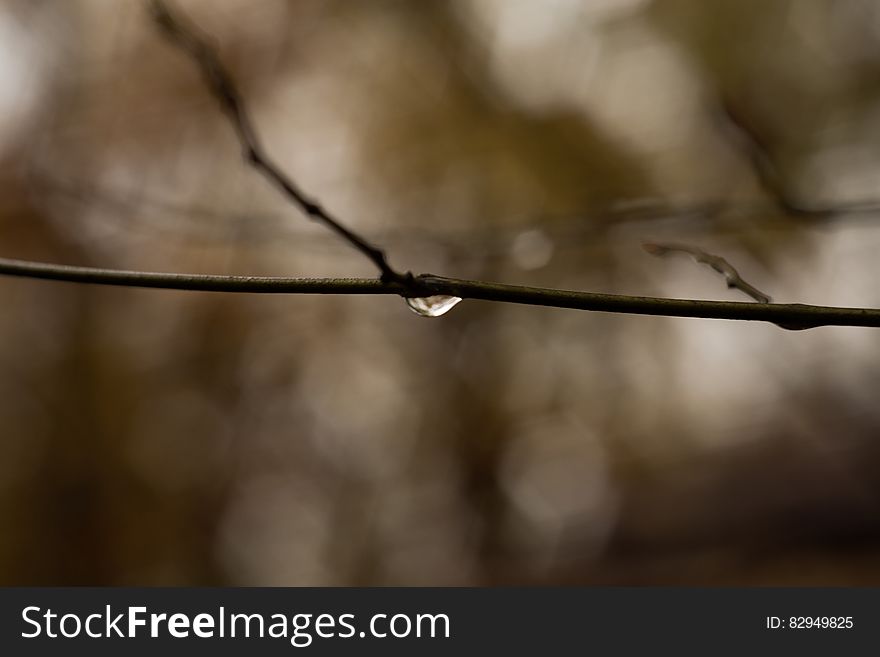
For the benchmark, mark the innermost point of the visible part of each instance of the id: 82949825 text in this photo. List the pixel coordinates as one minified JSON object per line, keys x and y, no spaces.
{"x":809,"y":623}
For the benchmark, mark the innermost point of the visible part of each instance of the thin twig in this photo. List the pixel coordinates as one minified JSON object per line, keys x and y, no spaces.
{"x":719,"y":264}
{"x":789,"y":316}
{"x":223,"y":88}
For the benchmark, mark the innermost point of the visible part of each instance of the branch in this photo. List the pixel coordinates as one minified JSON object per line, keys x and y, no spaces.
{"x":719,"y":264}
{"x":223,"y":88}
{"x":426,"y":289}
{"x":789,"y":316}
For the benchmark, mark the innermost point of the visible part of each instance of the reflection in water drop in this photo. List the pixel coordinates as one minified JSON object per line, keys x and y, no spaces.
{"x":434,"y":306}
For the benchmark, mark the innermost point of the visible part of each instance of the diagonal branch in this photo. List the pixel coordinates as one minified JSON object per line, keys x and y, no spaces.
{"x":765,"y":169}
{"x":789,"y":316}
{"x":719,"y":264}
{"x":223,"y":88}
{"x":756,"y":148}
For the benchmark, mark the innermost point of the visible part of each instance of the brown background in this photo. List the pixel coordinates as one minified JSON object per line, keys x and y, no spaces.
{"x":151,"y":437}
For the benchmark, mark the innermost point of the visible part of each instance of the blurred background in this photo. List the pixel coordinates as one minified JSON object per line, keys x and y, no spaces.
{"x":182,"y":438}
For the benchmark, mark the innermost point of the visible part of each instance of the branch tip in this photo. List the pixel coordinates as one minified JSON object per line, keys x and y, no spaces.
{"x":719,"y":264}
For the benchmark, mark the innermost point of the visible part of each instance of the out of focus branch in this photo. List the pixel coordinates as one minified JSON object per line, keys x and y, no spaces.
{"x":223,"y":88}
{"x":789,"y":316}
{"x":485,"y":241}
{"x":760,"y":157}
{"x":719,"y":264}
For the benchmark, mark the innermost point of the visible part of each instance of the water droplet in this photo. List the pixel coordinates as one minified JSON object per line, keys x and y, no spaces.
{"x":434,"y":306}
